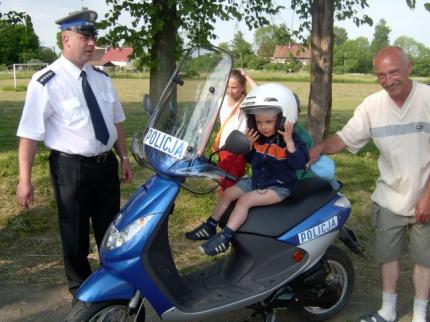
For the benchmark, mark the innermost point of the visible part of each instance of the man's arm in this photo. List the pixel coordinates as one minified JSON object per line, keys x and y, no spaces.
{"x":422,"y":208}
{"x":332,"y":145}
{"x":121,"y":150}
{"x":26,"y":154}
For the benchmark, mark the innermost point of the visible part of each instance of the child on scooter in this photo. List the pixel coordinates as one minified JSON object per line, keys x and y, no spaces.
{"x":276,"y":153}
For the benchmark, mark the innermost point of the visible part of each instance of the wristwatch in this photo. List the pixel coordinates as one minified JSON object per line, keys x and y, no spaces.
{"x":124,"y":157}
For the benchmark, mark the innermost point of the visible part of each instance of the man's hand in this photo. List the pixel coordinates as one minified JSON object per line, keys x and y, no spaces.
{"x":24,"y":194}
{"x":314,"y":154}
{"x":331,"y":145}
{"x":126,"y":171}
{"x":422,"y":209}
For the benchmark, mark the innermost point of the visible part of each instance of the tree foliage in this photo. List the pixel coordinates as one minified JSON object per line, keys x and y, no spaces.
{"x":381,"y":36}
{"x":241,"y":50}
{"x":195,"y":19}
{"x":412,"y":47}
{"x":418,"y":53}
{"x":46,"y":55}
{"x":340,"y":35}
{"x":353,"y":56}
{"x":342,"y":10}
{"x":318,"y":16}
{"x":18,"y":41}
{"x":268,"y":37}
{"x":155,"y":25}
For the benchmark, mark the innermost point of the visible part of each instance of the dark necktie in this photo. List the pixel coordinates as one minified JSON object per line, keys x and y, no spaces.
{"x":102,"y":133}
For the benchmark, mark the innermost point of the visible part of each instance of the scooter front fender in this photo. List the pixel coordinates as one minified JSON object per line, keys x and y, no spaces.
{"x":102,"y":286}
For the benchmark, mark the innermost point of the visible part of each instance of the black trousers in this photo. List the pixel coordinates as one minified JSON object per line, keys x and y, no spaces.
{"x":85,"y":188}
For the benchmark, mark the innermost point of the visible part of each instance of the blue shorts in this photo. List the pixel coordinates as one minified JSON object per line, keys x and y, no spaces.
{"x":245,"y":185}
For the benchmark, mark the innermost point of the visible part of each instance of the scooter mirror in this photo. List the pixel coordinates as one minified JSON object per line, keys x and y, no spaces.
{"x":236,"y":143}
{"x":147,"y":104}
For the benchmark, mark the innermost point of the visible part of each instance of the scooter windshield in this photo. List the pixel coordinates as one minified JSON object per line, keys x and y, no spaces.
{"x":180,"y":127}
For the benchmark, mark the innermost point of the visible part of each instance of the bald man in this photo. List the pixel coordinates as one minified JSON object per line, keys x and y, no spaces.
{"x":397,"y":119}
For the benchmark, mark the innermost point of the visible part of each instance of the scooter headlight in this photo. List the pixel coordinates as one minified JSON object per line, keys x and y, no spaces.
{"x":115,"y":238}
{"x":342,"y":202}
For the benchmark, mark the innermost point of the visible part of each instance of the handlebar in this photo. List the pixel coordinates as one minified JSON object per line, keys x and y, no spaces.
{"x":231,"y":177}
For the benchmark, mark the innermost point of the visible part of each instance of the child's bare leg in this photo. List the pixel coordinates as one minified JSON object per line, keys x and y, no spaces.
{"x":230,"y":194}
{"x":249,"y":200}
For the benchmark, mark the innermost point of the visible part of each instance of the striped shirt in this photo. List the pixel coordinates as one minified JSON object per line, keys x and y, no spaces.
{"x":402,"y":135}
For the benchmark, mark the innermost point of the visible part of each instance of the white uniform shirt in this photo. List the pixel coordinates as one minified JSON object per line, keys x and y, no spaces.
{"x":402,"y":136}
{"x":56,"y":112}
{"x":236,"y":122}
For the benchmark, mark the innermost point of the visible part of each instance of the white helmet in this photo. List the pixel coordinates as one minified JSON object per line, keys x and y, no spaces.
{"x":271,"y":97}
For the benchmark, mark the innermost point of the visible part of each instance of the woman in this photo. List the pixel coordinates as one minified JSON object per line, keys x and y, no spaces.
{"x":232,"y":119}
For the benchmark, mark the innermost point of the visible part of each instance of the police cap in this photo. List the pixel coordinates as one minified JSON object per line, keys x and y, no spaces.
{"x":81,"y":22}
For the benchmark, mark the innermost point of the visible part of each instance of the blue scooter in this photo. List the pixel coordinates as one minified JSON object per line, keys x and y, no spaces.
{"x":281,"y":257}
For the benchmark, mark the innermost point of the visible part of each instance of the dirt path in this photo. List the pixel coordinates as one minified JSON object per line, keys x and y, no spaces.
{"x":39,"y":303}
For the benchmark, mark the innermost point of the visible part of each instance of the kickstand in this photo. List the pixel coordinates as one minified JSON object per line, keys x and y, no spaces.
{"x":268,"y":315}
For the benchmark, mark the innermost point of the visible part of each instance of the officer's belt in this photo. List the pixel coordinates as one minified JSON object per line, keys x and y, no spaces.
{"x":100,"y":158}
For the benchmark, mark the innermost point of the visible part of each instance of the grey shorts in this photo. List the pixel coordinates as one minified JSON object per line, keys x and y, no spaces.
{"x":245,"y":185}
{"x":390,"y":237}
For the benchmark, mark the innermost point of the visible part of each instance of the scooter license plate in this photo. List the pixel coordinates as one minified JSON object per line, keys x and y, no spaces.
{"x":165,"y":143}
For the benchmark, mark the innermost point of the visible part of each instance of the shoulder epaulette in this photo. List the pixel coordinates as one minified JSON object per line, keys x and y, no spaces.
{"x":46,"y":77}
{"x":100,"y":71}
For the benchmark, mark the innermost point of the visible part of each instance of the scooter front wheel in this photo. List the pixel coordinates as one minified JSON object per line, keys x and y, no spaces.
{"x":106,"y":311}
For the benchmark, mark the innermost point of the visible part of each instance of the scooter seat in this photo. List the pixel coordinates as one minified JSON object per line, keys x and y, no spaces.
{"x":308,"y":196}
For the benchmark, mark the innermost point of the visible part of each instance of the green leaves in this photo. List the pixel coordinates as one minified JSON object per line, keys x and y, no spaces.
{"x":193,"y":20}
{"x":411,"y":3}
{"x":267,"y":37}
{"x":344,"y":9}
{"x":19,"y":42}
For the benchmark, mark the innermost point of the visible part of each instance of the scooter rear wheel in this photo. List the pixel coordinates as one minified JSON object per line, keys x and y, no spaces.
{"x":342,"y":273}
{"x":107,"y":311}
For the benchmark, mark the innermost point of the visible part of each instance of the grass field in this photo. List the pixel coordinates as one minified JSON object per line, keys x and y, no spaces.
{"x":30,"y":250}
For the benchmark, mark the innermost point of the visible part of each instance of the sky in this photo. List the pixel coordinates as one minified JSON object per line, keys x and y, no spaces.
{"x":400,"y":19}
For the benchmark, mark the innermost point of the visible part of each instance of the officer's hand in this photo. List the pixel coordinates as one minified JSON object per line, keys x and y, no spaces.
{"x":24,"y":194}
{"x":126,"y":171}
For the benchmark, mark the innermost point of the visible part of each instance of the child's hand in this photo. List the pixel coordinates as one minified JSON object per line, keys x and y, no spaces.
{"x":287,"y":135}
{"x":252,"y":136}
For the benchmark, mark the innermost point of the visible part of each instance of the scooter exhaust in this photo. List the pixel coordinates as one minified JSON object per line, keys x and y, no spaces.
{"x":324,"y":296}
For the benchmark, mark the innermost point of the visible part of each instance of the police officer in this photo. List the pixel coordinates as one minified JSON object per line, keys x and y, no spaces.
{"x":74,"y":109}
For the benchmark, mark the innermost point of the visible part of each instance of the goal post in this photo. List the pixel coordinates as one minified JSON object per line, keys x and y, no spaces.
{"x":15,"y":67}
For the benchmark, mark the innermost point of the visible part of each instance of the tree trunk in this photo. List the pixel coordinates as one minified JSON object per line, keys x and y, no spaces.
{"x":321,"y":69}
{"x":163,"y":51}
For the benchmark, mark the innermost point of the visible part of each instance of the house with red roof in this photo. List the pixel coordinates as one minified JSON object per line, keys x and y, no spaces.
{"x":115,"y":58}
{"x":283,"y":52}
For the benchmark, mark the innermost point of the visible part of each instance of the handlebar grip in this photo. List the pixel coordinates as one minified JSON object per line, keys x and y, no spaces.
{"x":231,"y":177}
